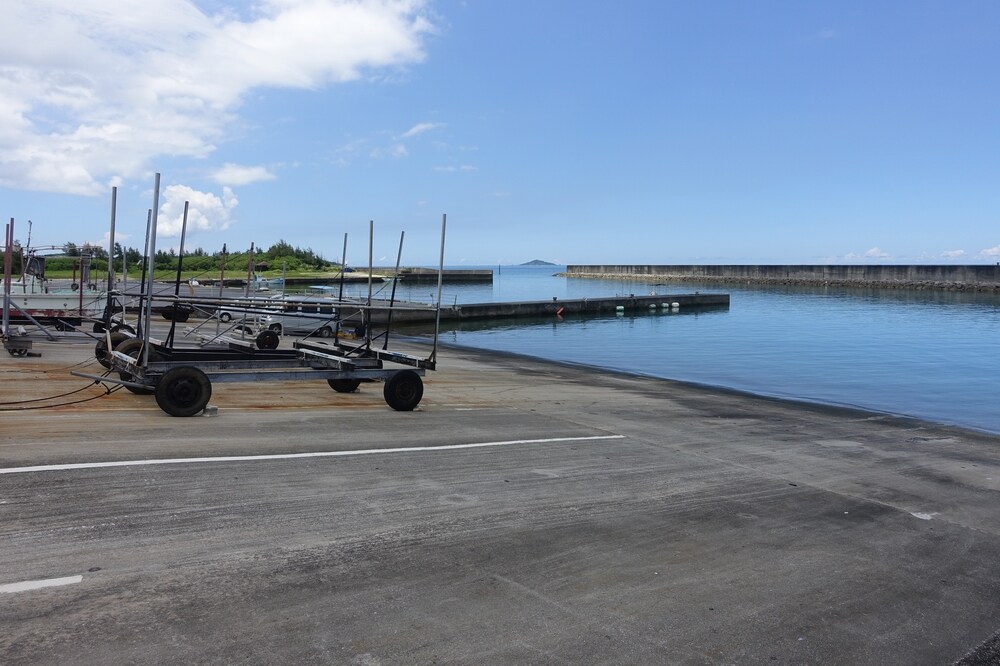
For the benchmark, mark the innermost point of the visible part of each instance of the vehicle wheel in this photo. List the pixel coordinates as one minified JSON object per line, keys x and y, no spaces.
{"x":183,"y":391}
{"x":275,"y":327}
{"x":268,"y":340}
{"x":325,"y":332}
{"x":403,"y":390}
{"x":133,"y":347}
{"x":344,"y":385}
{"x":101,"y":348}
{"x":123,"y":327}
{"x":225,"y":317}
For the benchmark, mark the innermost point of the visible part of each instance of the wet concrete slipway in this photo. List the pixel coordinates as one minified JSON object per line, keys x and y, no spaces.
{"x":537,"y":513}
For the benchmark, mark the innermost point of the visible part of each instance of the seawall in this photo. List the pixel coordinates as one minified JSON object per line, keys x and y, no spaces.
{"x":973,"y":277}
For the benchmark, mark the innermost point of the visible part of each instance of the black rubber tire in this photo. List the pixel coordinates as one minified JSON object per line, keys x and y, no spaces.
{"x":325,"y":332}
{"x":267,"y":340}
{"x":101,"y":348}
{"x":123,"y":327}
{"x":183,"y":391}
{"x":344,"y":385}
{"x":275,"y":327}
{"x":403,"y":390}
{"x":133,"y":347}
{"x":225,"y":317}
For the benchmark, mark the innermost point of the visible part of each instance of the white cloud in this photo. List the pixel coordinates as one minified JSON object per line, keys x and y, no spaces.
{"x":874,"y":253}
{"x":451,"y":169}
{"x":206,"y":211}
{"x":91,"y":91}
{"x":396,"y":150}
{"x":106,"y":239}
{"x":420,"y":128}
{"x":991,"y":251}
{"x":953,"y":254}
{"x":235,"y":174}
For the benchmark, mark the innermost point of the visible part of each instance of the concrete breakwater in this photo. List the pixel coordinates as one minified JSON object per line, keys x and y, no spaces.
{"x":974,"y":277}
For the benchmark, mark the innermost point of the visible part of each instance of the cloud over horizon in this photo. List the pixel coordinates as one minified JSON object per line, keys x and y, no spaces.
{"x":92,"y":91}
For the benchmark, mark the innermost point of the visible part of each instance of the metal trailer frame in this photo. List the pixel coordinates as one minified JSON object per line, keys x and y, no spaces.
{"x":181,"y":378}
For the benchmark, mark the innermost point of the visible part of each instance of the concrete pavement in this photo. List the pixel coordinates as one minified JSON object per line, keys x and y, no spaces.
{"x":604,"y":519}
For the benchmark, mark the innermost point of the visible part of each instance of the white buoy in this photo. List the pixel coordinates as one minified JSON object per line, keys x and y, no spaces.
{"x":675,"y":305}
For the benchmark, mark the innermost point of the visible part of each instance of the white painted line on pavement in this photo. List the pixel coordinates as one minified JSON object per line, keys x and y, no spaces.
{"x":24,"y":586}
{"x":290,"y":456}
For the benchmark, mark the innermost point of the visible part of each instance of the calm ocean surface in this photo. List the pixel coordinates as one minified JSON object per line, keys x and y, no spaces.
{"x":934,"y":355}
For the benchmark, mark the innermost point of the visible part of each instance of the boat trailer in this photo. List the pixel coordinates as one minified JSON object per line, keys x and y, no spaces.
{"x":181,"y":378}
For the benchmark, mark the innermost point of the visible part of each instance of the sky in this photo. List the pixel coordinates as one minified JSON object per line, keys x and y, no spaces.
{"x":572,"y":131}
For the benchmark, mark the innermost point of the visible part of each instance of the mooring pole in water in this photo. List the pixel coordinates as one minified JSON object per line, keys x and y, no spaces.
{"x":152,"y":253}
{"x":437,"y":319}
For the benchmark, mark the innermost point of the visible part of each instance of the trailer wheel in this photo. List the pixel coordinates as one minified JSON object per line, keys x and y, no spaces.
{"x":183,"y":391}
{"x":403,"y":390}
{"x":268,"y":340}
{"x":117,"y":328}
{"x":344,"y":385}
{"x":101,"y":348}
{"x":133,"y":347}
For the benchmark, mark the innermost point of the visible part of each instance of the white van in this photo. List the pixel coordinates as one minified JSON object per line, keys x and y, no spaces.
{"x":303,"y":315}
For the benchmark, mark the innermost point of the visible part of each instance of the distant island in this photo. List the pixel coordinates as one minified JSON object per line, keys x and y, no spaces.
{"x":538,"y":262}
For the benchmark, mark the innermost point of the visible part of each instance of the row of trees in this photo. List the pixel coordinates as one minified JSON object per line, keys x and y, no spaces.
{"x":281,"y":255}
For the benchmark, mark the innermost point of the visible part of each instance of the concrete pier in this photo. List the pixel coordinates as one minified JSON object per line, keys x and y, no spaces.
{"x":563,"y":307}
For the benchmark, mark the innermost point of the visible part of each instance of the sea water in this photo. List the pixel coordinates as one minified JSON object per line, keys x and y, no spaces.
{"x":932,"y":355}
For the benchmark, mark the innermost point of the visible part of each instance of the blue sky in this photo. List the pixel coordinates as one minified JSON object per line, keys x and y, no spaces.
{"x":577,"y":132}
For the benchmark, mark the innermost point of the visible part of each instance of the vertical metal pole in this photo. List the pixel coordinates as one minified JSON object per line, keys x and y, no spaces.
{"x":177,"y":282}
{"x":8,"y":267}
{"x":368,"y":323}
{"x":152,"y":255}
{"x":392,"y":297}
{"x":437,"y":321}
{"x":246,"y":291}
{"x":340,"y":298}
{"x":111,"y":258}
{"x":140,"y":327}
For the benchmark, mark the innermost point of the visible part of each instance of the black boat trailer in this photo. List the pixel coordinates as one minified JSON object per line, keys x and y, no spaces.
{"x":181,"y":379}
